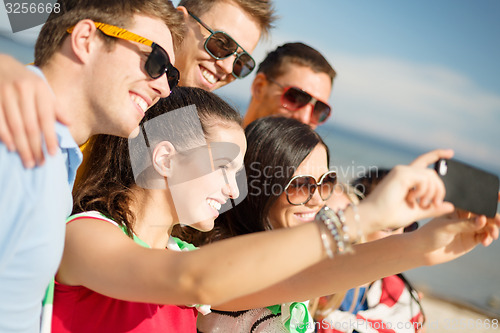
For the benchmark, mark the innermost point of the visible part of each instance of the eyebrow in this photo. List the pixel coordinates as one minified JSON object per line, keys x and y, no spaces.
{"x":212,"y":31}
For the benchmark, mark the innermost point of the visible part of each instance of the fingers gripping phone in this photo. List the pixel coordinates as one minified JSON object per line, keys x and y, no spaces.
{"x":468,"y":187}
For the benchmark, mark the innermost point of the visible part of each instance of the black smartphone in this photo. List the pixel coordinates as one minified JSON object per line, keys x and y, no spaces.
{"x":468,"y":187}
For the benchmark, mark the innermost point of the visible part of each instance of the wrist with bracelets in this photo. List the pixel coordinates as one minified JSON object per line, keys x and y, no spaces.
{"x":357,"y":222}
{"x":334,"y":231}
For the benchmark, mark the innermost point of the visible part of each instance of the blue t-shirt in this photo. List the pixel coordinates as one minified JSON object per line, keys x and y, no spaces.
{"x":34,"y":205}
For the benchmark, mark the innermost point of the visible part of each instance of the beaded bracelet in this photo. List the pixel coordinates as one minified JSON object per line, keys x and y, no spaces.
{"x":335,"y":223}
{"x":326,"y":235}
{"x":346,"y":241}
{"x":335,"y":228}
{"x":357,"y":222}
{"x":325,"y":238}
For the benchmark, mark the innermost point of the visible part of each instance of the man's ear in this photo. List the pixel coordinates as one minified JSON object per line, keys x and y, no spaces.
{"x":162,"y":158}
{"x":184,"y":12}
{"x":258,"y":85}
{"x":83,"y":39}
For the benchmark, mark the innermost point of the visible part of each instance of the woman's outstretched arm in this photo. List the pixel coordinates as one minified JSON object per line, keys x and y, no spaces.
{"x":441,"y":240}
{"x":99,"y":256}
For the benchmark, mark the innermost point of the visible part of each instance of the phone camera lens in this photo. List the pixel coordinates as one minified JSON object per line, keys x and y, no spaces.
{"x":443,"y":168}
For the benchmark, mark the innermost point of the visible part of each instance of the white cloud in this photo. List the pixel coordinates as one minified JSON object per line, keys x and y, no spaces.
{"x":424,"y":105}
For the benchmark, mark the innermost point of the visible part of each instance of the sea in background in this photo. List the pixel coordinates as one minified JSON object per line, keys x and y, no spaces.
{"x":472,"y":280}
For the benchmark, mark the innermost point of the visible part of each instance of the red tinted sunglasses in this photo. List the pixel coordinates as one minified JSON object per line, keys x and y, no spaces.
{"x":294,"y":98}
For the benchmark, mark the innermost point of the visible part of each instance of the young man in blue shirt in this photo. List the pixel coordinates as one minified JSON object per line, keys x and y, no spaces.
{"x":103,"y":80}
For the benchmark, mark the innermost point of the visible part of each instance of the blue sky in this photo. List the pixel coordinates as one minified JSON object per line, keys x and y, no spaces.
{"x":419,"y":73}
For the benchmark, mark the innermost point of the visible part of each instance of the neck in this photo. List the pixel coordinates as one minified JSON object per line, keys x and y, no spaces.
{"x":251,"y":114}
{"x":154,"y":216}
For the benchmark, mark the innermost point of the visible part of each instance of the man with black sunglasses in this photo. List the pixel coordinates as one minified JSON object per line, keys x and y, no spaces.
{"x":294,"y":81}
{"x":220,"y":37}
{"x":102,"y":64}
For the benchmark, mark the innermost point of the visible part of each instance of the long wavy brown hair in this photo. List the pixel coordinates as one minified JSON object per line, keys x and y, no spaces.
{"x":107,"y":180}
{"x":276,"y":146}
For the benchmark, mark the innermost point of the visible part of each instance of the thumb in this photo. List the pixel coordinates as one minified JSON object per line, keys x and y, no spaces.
{"x":444,"y":208}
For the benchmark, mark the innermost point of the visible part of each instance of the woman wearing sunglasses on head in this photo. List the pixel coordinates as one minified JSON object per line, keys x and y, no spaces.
{"x":288,"y":183}
{"x":116,"y":274}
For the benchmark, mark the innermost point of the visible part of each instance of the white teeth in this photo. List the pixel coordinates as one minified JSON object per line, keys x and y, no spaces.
{"x":306,"y":215}
{"x":208,"y":76}
{"x":214,"y":204}
{"x":141,"y":102}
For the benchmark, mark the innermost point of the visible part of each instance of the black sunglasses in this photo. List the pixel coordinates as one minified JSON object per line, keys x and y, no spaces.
{"x":294,"y":98}
{"x":220,"y":46}
{"x":158,"y":61}
{"x":411,"y":227}
{"x":300,"y":189}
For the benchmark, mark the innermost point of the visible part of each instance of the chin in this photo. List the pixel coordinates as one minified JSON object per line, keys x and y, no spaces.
{"x":134,"y":133}
{"x":220,"y":84}
{"x":204,"y":226}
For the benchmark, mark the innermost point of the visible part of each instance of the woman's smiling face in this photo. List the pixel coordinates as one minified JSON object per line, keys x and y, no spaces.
{"x":282,"y":214}
{"x":208,"y":177}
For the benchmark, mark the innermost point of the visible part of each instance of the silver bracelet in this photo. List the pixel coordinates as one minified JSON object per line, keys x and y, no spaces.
{"x":325,"y":239}
{"x":357,"y":221}
{"x":332,"y":222}
{"x":346,"y":239}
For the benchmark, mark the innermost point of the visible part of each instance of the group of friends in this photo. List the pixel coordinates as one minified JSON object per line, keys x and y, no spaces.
{"x":183,"y":216}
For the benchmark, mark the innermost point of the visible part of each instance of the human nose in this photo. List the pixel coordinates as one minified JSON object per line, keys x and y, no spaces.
{"x":304,"y":114}
{"x":231,"y":189}
{"x":226,"y":64}
{"x":315,"y":199}
{"x":161,"y":86}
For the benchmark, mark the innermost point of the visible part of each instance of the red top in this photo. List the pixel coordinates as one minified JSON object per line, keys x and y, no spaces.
{"x":78,"y":309}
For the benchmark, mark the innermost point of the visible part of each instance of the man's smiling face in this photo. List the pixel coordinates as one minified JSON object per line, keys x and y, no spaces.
{"x":197,"y":67}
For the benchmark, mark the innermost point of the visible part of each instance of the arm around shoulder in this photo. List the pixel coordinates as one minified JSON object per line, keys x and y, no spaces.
{"x":28,"y":110}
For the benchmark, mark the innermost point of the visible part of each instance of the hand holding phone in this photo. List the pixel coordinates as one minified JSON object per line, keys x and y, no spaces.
{"x":468,"y":187}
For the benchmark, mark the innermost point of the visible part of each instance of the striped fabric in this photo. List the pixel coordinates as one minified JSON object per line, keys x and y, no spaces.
{"x":391,"y":309}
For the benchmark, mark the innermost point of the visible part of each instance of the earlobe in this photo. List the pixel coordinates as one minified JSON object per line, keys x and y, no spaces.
{"x":162,"y":158}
